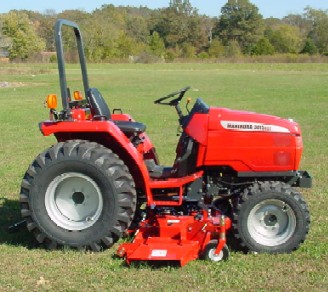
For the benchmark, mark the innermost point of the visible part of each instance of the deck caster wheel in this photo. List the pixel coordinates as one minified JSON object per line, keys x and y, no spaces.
{"x":209,"y":252}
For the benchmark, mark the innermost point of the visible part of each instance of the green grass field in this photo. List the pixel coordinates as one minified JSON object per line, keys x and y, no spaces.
{"x":298,"y":91}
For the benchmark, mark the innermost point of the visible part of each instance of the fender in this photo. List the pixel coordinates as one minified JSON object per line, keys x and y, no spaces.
{"x":107,"y":134}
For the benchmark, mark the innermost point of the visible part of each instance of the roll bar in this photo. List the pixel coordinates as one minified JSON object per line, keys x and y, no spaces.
{"x":61,"y":59}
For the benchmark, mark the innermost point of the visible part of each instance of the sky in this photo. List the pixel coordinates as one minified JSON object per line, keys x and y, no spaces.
{"x":268,"y":8}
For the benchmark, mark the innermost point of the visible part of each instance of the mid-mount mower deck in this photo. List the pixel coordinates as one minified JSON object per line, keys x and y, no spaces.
{"x":178,"y":238}
{"x":234,"y":171}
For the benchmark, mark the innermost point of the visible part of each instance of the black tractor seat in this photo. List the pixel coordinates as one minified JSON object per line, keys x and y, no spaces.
{"x":130,"y":128}
{"x":100,"y":111}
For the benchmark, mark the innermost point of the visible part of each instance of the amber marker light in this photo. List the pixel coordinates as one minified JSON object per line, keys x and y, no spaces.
{"x":77,"y":95}
{"x":51,"y":101}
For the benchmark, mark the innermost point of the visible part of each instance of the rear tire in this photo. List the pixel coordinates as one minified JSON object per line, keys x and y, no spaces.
{"x":78,"y":194}
{"x":271,"y":217}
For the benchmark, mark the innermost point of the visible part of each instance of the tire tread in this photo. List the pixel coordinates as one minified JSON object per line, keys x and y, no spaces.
{"x":257,"y":189}
{"x":105,"y":160}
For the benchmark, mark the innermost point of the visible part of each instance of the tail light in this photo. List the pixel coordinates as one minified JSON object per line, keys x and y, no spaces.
{"x":298,"y":151}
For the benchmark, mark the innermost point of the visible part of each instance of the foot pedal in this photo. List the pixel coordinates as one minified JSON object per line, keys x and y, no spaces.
{"x":157,"y":171}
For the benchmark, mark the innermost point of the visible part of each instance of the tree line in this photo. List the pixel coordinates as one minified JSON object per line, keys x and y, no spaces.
{"x":177,"y":31}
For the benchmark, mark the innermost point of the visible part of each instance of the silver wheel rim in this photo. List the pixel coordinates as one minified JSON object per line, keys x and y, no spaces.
{"x":271,"y":222}
{"x":215,"y":257}
{"x":73,"y":201}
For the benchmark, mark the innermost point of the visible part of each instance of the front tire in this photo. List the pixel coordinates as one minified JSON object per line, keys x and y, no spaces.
{"x":78,"y":194}
{"x":271,"y":217}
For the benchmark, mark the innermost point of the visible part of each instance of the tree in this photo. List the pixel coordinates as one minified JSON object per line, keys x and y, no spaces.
{"x":232,"y":49}
{"x":25,"y":41}
{"x":216,"y":49}
{"x":207,"y":26}
{"x":272,"y":23}
{"x":183,"y":6}
{"x":125,"y":46}
{"x":299,"y":21}
{"x":179,"y":26}
{"x":45,"y":29}
{"x":318,"y":32}
{"x":309,"y":48}
{"x":137,"y":28}
{"x":101,"y":35}
{"x":188,"y":51}
{"x":286,"y":39}
{"x":156,"y":45}
{"x":240,"y":21}
{"x":263,"y":47}
{"x":5,"y":43}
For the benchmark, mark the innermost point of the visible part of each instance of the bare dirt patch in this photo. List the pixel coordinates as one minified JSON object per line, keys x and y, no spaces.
{"x":5,"y":84}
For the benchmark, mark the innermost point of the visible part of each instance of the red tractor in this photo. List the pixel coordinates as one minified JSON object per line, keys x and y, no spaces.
{"x":234,"y":171}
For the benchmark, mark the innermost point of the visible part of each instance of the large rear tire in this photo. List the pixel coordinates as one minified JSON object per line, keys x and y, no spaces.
{"x":271,"y":217}
{"x":78,"y":194}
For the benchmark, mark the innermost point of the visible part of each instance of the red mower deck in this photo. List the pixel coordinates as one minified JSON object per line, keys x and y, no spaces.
{"x":176,"y":238}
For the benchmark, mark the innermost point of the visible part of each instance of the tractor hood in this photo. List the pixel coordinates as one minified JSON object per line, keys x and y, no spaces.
{"x":249,"y":142}
{"x":243,"y":121}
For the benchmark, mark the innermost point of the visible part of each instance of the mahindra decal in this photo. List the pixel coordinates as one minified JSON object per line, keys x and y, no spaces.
{"x":252,"y":127}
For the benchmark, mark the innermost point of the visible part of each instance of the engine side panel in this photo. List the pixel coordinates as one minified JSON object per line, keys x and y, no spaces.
{"x":252,"y":142}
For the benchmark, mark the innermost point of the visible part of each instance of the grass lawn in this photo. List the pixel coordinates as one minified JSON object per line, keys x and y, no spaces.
{"x":298,"y":91}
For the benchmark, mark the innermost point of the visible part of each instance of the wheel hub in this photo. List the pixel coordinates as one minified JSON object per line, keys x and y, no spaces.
{"x":78,"y":198}
{"x":215,"y":257}
{"x":271,"y":222}
{"x":73,"y":201}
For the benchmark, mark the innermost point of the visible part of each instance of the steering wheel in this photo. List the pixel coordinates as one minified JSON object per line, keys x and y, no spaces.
{"x":175,"y":101}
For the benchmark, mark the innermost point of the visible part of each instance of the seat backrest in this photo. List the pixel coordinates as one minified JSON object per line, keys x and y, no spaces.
{"x":99,"y":107}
